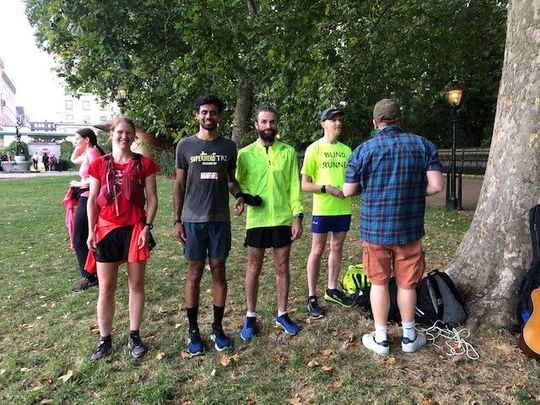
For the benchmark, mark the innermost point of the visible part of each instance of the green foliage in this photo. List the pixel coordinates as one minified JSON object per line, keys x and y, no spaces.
{"x":165,"y":158}
{"x":64,"y":162}
{"x":18,"y":148}
{"x":301,"y":55}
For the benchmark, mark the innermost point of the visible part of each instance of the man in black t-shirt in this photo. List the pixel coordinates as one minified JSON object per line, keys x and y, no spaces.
{"x":205,"y":167}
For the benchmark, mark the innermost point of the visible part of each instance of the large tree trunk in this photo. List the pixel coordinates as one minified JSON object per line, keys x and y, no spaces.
{"x":242,"y":111}
{"x":496,"y":251}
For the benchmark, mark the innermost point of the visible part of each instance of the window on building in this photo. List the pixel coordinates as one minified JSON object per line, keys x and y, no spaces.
{"x":87,"y":119}
{"x":86,"y":105}
{"x":69,"y":105}
{"x":69,"y":117}
{"x":103,"y":118}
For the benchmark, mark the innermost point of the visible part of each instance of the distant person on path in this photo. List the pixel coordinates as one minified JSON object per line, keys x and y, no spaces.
{"x":53,"y":162}
{"x":45,"y":160}
{"x":269,"y":168}
{"x":35,"y":158}
{"x":86,"y":151}
{"x":205,"y":166}
{"x":394,"y":171}
{"x":119,"y":230}
{"x":323,"y":174}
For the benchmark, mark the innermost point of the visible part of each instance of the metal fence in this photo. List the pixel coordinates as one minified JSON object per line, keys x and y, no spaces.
{"x":468,"y":161}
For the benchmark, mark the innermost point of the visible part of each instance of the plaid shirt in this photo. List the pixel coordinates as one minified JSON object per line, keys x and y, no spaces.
{"x":391,"y":169}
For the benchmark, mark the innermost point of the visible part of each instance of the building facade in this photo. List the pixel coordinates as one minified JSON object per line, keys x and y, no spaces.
{"x":8,"y":112}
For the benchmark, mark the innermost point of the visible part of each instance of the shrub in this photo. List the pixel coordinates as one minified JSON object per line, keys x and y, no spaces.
{"x":166,"y":160}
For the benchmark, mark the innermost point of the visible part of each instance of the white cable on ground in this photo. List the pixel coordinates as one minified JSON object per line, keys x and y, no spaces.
{"x":455,"y":340}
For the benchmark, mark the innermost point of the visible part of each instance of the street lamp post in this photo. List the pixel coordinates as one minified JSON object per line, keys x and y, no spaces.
{"x":121,"y":99}
{"x":454,"y":92}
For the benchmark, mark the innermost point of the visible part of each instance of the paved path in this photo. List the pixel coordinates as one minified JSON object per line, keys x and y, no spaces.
{"x":471,"y":191}
{"x":4,"y":175}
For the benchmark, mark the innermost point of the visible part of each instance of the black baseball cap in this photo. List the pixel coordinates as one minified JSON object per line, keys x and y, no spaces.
{"x":329,"y":113}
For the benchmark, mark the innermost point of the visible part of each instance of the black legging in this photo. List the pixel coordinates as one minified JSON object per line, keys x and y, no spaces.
{"x":80,"y":235}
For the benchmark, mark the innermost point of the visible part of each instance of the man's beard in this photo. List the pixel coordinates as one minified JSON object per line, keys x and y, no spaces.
{"x":268,"y":135}
{"x":209,"y":126}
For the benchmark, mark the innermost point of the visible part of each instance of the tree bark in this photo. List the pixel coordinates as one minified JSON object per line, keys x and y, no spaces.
{"x":242,"y":111}
{"x":496,"y":251}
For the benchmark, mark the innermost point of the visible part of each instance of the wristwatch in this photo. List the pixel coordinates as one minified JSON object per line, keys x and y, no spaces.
{"x":149,"y":225}
{"x":299,"y":216}
{"x":323,"y":189}
{"x":177,"y":221}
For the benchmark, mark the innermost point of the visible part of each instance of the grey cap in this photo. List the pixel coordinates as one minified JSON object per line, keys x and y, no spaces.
{"x":386,"y":110}
{"x":329,"y":113}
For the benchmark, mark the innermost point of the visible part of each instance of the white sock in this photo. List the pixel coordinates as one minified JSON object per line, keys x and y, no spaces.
{"x":279,"y":313}
{"x":408,"y":330}
{"x":381,"y":333}
{"x":251,"y":314}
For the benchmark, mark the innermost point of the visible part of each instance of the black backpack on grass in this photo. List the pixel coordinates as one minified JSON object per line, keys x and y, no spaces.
{"x":531,"y":280}
{"x":437,"y":299}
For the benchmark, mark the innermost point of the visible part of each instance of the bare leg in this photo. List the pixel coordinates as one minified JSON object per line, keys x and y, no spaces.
{"x":281,"y":259}
{"x":406,"y":300}
{"x":136,"y":272}
{"x":380,"y":304}
{"x":334,"y":257}
{"x":219,"y":282}
{"x":193,"y":282}
{"x":107,"y":274}
{"x":313,"y":267}
{"x":253,"y":271}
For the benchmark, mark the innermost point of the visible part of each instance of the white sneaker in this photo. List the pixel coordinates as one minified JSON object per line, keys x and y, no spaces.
{"x":410,"y":346}
{"x":381,"y":348}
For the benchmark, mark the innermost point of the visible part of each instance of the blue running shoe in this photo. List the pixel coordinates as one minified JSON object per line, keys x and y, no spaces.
{"x":195,"y":346}
{"x":288,"y":326}
{"x":220,"y":339}
{"x":249,"y":328}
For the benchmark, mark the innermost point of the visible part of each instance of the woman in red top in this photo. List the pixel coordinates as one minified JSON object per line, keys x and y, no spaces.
{"x":119,"y":230}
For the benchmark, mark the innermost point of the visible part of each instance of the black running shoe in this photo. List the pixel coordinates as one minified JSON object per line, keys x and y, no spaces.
{"x":136,"y":346}
{"x":103,"y":349}
{"x":338,"y":297}
{"x":313,"y":308}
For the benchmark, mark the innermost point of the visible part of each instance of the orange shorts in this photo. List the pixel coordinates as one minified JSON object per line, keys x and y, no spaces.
{"x":405,"y":261}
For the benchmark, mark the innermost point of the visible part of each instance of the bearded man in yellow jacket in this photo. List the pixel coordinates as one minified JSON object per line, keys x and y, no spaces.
{"x":269,"y":169}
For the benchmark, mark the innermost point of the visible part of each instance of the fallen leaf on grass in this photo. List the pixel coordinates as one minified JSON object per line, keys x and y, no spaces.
{"x":251,"y":400}
{"x":213,"y":373}
{"x":177,"y":325}
{"x":49,"y":349}
{"x":46,"y":401}
{"x":162,"y":310}
{"x":25,"y":369}
{"x":296,"y":400}
{"x":312,"y":363}
{"x":335,"y":386}
{"x":327,"y":368}
{"x":506,"y":349}
{"x":2,"y":371}
{"x":46,"y":381}
{"x":186,"y":402}
{"x":66,"y":376}
{"x":227,"y":360}
{"x":185,"y":355}
{"x":390,"y":360}
{"x":428,"y":402}
{"x":327,"y":353}
{"x":160,"y":355}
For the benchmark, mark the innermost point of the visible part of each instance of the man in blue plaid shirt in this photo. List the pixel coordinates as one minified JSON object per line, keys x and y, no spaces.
{"x":394,"y":171}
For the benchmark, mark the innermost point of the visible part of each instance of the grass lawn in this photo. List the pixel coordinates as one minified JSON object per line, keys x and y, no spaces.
{"x":47,"y":332}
